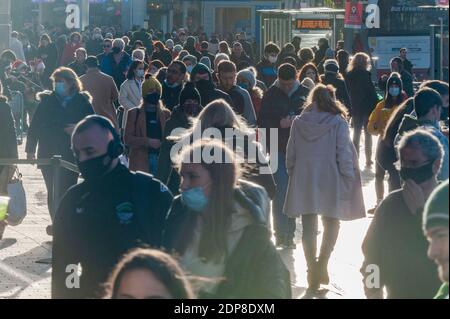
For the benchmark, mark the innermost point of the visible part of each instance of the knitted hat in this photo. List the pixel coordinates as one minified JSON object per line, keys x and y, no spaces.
{"x":331,"y":66}
{"x":151,"y":84}
{"x":200,"y":68}
{"x":248,"y":75}
{"x":435,"y":213}
{"x":308,"y":83}
{"x":170,"y":44}
{"x":206,"y":61}
{"x":189,"y":92}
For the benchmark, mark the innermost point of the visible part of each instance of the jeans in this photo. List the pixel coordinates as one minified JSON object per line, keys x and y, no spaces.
{"x":283,"y":225}
{"x":360,"y":122}
{"x":67,"y":180}
{"x":153,"y":163}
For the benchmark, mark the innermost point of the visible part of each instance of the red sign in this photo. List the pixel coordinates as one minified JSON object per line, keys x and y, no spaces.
{"x":353,"y":14}
{"x":442,"y":2}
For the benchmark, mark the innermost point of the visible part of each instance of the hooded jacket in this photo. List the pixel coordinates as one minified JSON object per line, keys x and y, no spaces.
{"x":323,"y":169}
{"x":206,"y":88}
{"x":254,"y":268}
{"x":277,"y":105}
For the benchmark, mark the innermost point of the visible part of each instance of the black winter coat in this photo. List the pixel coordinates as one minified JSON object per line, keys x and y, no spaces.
{"x":8,"y":148}
{"x":95,"y":225}
{"x":170,"y":95}
{"x":49,"y":122}
{"x":341,"y":88}
{"x":277,"y":105}
{"x":254,"y":270}
{"x":209,"y":93}
{"x":362,"y":92}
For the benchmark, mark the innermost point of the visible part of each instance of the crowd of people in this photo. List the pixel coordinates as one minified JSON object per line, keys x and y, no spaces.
{"x":117,"y":106}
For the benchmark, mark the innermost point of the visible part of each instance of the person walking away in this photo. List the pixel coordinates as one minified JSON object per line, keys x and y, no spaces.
{"x":324,"y":178}
{"x":144,"y":129}
{"x":52,"y":125}
{"x":102,"y":89}
{"x":435,"y":227}
{"x":224,"y":238}
{"x":281,"y":103}
{"x":376,"y":126}
{"x":363,"y":98}
{"x":394,"y":241}
{"x":114,"y":209}
{"x":267,"y":68}
{"x":334,"y":77}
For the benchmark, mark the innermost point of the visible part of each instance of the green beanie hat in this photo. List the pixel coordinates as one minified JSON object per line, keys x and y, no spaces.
{"x":435,"y":213}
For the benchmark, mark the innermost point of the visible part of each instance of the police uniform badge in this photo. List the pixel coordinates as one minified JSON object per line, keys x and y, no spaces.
{"x":125,"y":213}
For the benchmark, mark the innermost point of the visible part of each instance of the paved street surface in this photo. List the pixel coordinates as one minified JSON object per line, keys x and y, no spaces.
{"x":21,"y":276}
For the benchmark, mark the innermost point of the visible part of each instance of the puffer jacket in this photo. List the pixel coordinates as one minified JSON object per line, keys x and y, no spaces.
{"x":253,"y":270}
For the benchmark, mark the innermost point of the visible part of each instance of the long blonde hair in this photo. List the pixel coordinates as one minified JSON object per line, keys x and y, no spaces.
{"x":360,"y":61}
{"x":324,"y":99}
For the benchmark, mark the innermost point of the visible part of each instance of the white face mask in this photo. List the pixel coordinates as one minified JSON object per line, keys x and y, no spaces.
{"x":272,"y":59}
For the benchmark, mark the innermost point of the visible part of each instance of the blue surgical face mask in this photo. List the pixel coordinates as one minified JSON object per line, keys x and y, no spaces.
{"x":140,"y":73}
{"x":189,"y":69}
{"x":60,"y":88}
{"x":394,"y":91}
{"x":195,"y":199}
{"x":244,"y":86}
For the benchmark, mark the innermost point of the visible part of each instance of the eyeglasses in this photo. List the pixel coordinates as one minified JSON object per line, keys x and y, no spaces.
{"x":107,"y":46}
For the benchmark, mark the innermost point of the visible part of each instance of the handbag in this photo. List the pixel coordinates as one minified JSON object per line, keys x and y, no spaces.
{"x":17,"y":208}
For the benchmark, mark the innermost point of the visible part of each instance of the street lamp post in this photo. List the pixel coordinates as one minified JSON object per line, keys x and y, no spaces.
{"x":5,"y":24}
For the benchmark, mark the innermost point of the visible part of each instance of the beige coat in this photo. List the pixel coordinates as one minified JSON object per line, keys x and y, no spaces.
{"x":322,"y":165}
{"x":130,"y":96}
{"x":104,"y":93}
{"x":136,"y":139}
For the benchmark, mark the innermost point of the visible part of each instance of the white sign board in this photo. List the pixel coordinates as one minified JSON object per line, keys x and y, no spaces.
{"x":385,"y":48}
{"x":73,"y":20}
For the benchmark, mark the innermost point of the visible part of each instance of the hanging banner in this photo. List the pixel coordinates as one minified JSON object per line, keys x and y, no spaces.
{"x":353,"y":14}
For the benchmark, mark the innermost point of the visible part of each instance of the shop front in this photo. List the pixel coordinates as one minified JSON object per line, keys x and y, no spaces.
{"x":224,"y":17}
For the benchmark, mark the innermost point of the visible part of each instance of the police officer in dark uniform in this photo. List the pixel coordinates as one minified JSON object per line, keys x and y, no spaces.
{"x":110,"y":212}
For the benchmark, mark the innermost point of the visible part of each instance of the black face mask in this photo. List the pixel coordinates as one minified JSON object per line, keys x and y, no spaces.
{"x":152,"y":98}
{"x":203,"y":84}
{"x":94,"y":169}
{"x":418,"y":174}
{"x":116,"y":50}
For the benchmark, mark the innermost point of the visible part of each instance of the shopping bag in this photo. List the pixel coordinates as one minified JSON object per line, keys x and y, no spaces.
{"x":17,"y":208}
